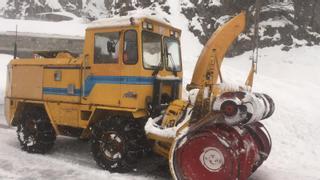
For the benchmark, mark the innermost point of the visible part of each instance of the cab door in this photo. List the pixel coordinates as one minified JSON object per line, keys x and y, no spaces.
{"x":102,"y":83}
{"x":131,"y":80}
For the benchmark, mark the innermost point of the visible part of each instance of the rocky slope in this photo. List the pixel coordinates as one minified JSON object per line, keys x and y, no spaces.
{"x":283,"y":22}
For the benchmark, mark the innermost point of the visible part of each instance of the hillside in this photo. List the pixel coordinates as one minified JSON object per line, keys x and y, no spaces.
{"x":292,"y":23}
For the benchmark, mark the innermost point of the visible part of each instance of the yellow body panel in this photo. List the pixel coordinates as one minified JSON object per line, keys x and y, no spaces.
{"x":64,"y":113}
{"x":27,"y":82}
{"x":68,"y":77}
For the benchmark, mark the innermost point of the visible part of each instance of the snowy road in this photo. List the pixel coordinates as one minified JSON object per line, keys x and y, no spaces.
{"x":69,"y":159}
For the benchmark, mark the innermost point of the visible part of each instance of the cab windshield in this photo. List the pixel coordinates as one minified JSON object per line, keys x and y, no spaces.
{"x":151,"y":46}
{"x":152,"y":52}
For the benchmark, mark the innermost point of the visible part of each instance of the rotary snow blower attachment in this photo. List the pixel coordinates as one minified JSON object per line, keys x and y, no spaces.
{"x":216,"y":133}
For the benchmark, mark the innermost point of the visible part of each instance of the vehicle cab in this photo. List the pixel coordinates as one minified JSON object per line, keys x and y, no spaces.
{"x":133,"y":63}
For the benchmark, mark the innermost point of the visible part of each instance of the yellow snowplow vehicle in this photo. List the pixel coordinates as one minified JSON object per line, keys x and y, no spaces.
{"x":124,"y":94}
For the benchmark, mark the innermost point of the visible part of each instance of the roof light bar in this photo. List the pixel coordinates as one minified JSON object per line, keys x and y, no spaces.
{"x":150,"y":26}
{"x":147,"y":26}
{"x":174,"y":34}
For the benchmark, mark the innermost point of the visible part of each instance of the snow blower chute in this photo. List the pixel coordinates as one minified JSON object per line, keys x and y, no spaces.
{"x":217,"y":133}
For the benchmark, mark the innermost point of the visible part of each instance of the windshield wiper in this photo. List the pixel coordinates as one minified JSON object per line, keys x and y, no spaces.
{"x":169,"y":56}
{"x":174,"y":67}
{"x":157,"y":68}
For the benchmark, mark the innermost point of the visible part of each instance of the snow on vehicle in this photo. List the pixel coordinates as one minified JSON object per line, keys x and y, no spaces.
{"x":124,"y":94}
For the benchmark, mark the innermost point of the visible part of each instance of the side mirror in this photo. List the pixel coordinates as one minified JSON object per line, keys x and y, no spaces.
{"x":111,"y":47}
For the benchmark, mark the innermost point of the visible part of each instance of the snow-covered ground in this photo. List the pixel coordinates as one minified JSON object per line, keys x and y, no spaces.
{"x":4,"y":60}
{"x":70,"y":159}
{"x":291,"y":78}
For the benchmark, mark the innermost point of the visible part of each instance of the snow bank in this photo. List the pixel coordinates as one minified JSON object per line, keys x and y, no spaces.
{"x":4,"y":60}
{"x":68,"y":28}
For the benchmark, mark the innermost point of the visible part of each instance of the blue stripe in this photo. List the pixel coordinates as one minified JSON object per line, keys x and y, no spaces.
{"x":61,"y":67}
{"x":64,"y":67}
{"x":60,"y":91}
{"x":91,"y":81}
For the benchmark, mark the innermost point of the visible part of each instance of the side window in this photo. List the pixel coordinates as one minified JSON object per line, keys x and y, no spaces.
{"x":106,"y":47}
{"x":130,"y":48}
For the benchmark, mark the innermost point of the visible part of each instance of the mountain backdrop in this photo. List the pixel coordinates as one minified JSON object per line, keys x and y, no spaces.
{"x":282,"y":22}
